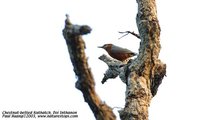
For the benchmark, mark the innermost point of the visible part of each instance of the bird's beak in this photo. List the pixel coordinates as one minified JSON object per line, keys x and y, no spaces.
{"x":100,"y":46}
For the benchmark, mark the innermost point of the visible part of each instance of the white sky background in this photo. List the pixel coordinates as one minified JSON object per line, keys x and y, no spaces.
{"x":36,"y":72}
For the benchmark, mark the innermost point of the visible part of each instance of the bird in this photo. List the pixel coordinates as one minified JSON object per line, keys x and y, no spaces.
{"x":119,"y":53}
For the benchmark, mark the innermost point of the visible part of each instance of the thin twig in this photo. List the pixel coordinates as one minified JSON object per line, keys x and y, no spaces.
{"x":129,"y":32}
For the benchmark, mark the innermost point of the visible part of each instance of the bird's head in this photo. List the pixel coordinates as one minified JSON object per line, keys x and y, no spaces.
{"x":106,"y":46}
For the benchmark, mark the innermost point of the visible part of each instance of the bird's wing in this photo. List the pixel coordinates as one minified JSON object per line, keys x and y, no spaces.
{"x":116,"y":49}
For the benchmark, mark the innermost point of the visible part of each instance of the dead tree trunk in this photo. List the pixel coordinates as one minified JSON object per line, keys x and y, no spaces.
{"x":146,"y":72}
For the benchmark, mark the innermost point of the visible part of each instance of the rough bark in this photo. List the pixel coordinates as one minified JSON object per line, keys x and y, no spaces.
{"x":144,"y":74}
{"x":85,"y":83}
{"x":144,"y":70}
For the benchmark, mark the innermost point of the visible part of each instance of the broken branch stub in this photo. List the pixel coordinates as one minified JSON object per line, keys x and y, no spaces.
{"x":115,"y":68}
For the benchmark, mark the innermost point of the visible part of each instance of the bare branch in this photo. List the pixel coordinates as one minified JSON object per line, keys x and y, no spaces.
{"x":115,"y":68}
{"x":85,"y":83}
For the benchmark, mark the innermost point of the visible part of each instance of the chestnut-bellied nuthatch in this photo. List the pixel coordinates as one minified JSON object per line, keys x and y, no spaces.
{"x":121,"y":54}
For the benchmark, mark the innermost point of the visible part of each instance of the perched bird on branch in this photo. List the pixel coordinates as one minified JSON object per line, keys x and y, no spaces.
{"x":121,"y":54}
